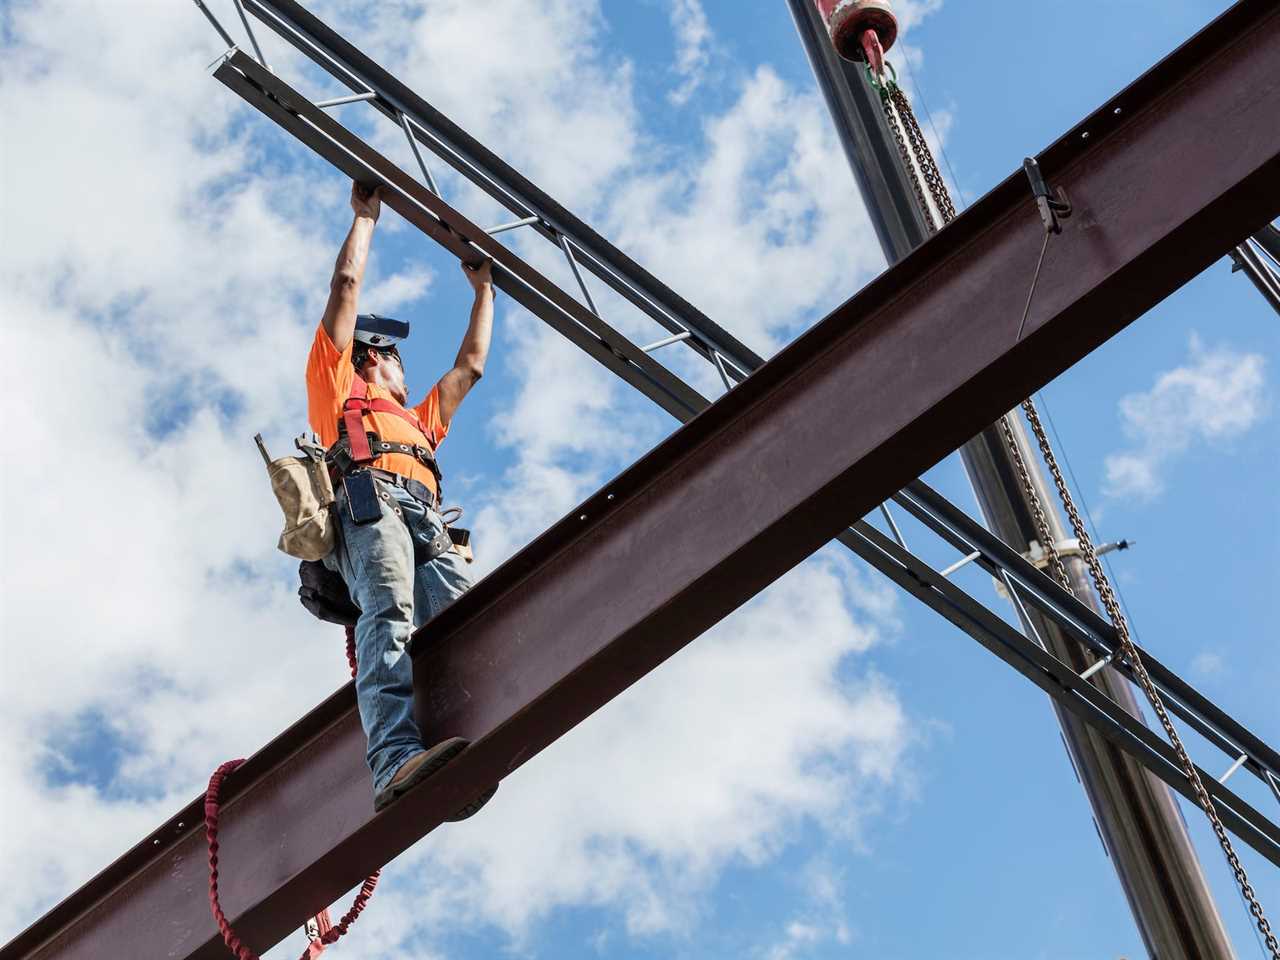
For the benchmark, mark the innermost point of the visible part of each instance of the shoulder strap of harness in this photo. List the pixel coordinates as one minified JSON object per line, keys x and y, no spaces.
{"x":353,"y":419}
{"x":352,"y":422}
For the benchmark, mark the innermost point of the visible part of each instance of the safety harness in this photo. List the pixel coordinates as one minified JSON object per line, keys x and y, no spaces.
{"x":323,"y":591}
{"x":357,"y":447}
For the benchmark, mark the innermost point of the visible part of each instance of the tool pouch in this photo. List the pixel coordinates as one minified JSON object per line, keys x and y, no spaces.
{"x":305,"y":494}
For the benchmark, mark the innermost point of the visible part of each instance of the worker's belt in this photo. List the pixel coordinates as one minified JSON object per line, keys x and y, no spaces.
{"x":341,"y":462}
{"x":415,"y":488}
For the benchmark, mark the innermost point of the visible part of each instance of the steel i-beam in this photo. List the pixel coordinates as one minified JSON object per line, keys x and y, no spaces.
{"x":868,"y":399}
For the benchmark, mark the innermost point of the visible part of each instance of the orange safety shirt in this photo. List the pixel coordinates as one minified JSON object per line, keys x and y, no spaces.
{"x":329,"y":377}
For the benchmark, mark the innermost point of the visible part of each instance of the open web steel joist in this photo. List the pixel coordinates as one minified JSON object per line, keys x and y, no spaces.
{"x":869,"y":398}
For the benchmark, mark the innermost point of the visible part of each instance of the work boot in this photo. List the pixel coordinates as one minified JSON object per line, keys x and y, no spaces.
{"x":421,"y":766}
{"x":416,"y":769}
{"x":472,"y":808}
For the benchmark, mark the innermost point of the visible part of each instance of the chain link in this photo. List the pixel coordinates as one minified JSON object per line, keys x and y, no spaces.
{"x":1037,"y":507}
{"x":907,"y":164}
{"x":920,"y":162}
{"x":924,"y":156}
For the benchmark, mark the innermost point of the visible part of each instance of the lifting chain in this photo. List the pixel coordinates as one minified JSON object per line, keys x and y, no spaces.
{"x":908,"y":164}
{"x":927,"y":167}
{"x":919,"y":162}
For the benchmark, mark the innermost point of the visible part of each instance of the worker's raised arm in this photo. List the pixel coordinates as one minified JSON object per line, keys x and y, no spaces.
{"x":339,"y":318}
{"x":468,"y":367}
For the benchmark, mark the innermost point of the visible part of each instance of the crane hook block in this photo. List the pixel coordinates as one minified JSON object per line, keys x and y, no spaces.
{"x":848,"y":20}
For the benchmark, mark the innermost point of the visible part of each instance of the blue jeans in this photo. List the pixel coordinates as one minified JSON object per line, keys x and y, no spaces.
{"x":395,"y":596}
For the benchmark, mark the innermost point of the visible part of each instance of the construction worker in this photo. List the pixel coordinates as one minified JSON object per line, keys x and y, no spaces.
{"x":393,"y":550}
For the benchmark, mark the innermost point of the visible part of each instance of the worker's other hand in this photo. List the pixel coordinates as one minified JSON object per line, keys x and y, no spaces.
{"x":366,"y":202}
{"x":481,"y":276}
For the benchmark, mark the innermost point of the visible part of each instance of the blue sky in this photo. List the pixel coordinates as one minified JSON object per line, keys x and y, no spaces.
{"x":900,"y":793}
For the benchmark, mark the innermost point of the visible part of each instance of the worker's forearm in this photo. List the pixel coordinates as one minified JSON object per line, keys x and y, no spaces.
{"x":475,"y":345}
{"x":354,"y":252}
{"x":344,"y":291}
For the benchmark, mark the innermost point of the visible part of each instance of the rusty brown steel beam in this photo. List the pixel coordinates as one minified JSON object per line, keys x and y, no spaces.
{"x":868,"y":399}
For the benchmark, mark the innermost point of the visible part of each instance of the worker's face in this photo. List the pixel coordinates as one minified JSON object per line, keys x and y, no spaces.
{"x":385,"y":370}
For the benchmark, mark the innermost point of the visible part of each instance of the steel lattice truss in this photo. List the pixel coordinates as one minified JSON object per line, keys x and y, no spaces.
{"x":271,"y":904}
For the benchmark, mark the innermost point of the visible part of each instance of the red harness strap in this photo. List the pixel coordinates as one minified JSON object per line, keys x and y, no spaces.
{"x":353,"y":411}
{"x":329,"y":932}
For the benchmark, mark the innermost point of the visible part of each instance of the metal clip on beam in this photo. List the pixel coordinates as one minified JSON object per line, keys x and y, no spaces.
{"x":1053,"y":209}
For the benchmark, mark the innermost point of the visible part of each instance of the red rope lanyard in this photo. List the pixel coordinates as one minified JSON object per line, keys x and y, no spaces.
{"x":328,"y":933}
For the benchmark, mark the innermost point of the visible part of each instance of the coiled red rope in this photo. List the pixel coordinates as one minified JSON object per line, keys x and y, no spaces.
{"x":329,"y":934}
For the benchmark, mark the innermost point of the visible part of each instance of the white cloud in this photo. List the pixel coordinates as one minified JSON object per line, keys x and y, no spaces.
{"x":693,"y":47}
{"x":396,"y":290}
{"x":1206,"y":664}
{"x":912,"y":12}
{"x":752,"y":227}
{"x":822,"y":919}
{"x":1217,"y":395}
{"x":532,"y":85}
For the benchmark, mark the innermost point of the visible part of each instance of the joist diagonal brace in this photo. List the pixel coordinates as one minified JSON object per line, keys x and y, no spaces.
{"x":868,"y":399}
